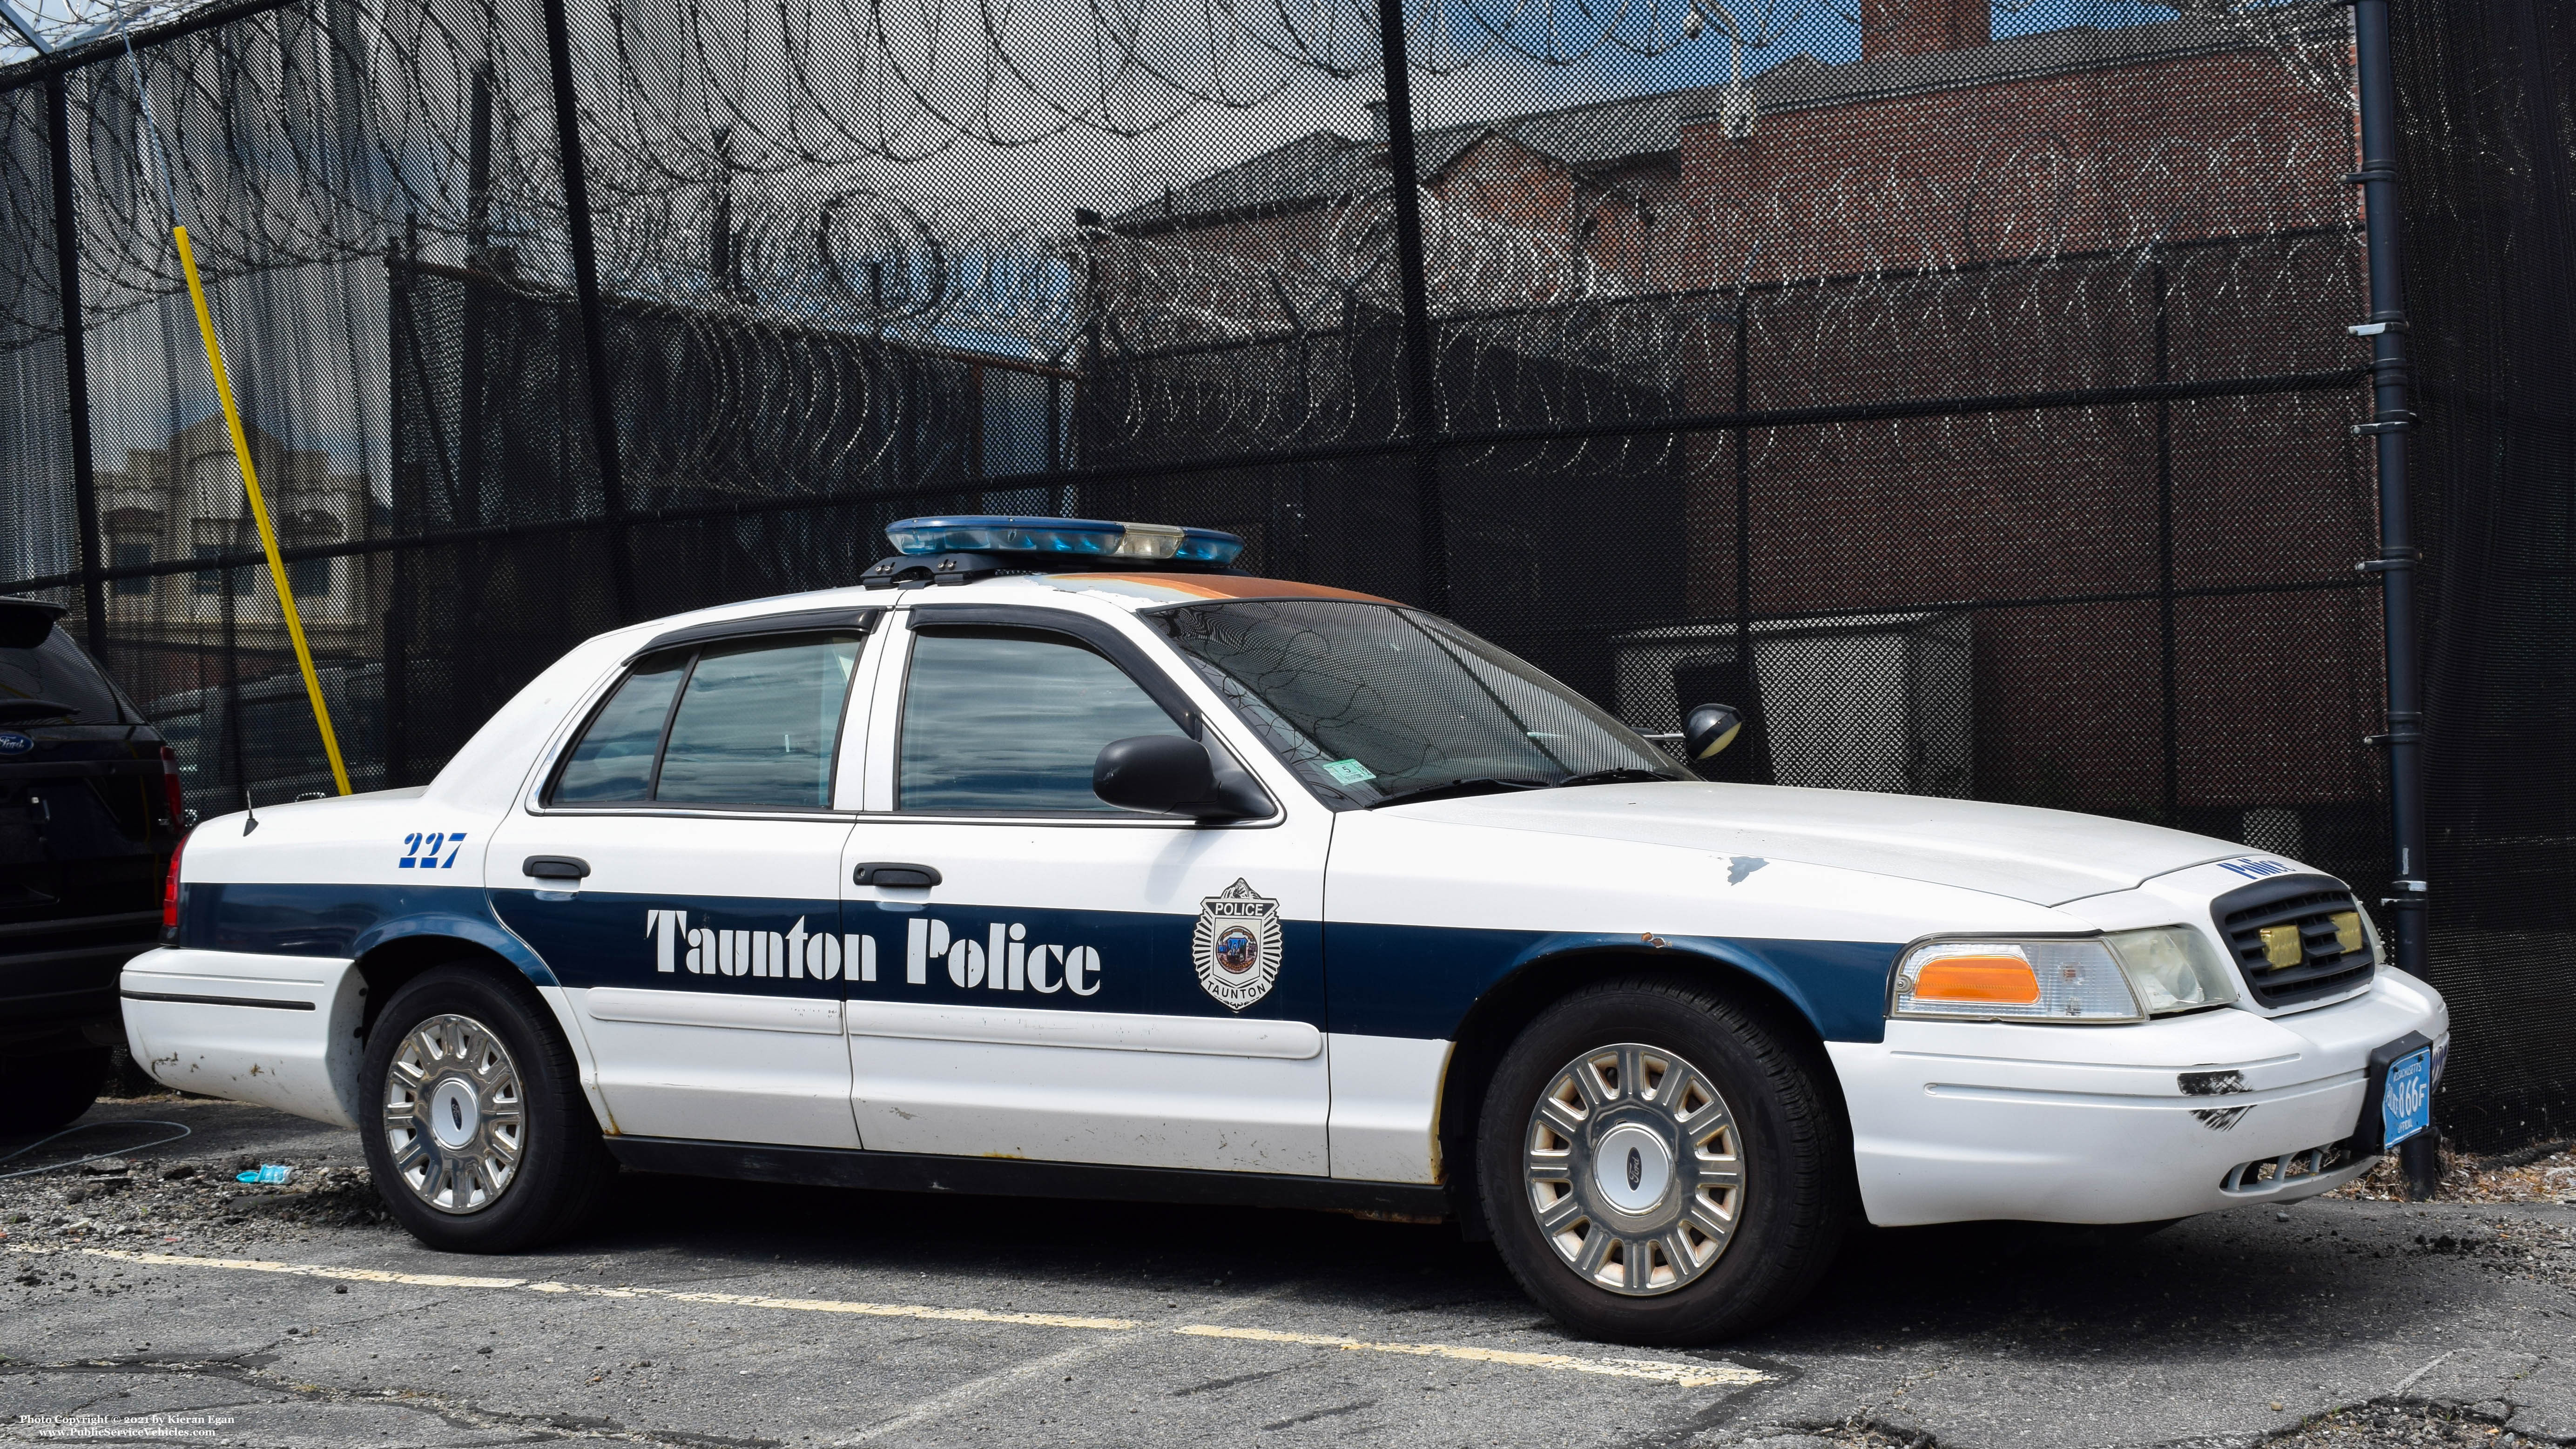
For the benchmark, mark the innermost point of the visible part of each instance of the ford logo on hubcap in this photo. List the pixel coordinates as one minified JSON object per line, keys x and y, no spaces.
{"x":1636,"y":1169}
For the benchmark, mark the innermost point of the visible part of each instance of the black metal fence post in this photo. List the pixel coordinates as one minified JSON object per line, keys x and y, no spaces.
{"x":93,"y":557}
{"x":401,"y":279}
{"x":2170,"y":690}
{"x":585,"y":279}
{"x":1421,"y":387}
{"x":2386,"y":329}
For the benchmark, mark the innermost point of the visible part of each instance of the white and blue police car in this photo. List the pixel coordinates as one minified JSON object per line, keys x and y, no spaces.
{"x":1059,"y":858}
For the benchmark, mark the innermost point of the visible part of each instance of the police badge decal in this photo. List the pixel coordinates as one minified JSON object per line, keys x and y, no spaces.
{"x":1237,"y":945}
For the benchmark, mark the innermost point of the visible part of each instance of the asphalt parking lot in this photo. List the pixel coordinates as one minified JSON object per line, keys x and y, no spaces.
{"x":153,"y":1299}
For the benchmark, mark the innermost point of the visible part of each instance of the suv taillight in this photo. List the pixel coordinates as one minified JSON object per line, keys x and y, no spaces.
{"x":170,"y":896}
{"x":171,"y":793}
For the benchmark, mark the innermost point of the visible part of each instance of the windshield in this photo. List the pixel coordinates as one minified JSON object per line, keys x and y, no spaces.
{"x":1371,"y":703}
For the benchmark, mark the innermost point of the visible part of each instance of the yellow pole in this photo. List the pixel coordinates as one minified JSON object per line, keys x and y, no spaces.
{"x":259,"y":511}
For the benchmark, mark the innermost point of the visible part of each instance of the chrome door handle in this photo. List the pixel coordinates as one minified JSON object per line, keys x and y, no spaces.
{"x":894,"y":873}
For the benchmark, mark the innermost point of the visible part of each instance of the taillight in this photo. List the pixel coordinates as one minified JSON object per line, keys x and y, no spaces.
{"x":170,"y":791}
{"x":170,"y":894}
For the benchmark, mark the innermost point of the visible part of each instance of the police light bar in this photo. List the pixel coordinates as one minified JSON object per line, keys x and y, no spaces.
{"x":1088,"y":538}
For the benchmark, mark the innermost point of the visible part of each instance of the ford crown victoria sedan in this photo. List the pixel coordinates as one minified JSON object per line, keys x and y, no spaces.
{"x":1056,"y":858}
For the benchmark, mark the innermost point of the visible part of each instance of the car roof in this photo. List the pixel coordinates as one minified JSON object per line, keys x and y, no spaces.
{"x":1135,"y":590}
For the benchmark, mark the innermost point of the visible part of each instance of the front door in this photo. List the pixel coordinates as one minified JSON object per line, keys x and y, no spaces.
{"x":677,"y":875}
{"x":1082,"y":983}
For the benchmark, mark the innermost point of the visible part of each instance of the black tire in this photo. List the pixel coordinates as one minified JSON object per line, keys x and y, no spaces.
{"x":554,"y":1168}
{"x":40,"y":1094}
{"x":1788,"y":1214}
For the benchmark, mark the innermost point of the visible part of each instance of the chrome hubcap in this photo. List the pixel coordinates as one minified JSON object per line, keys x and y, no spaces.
{"x":1634,"y":1169}
{"x":454,"y":1119}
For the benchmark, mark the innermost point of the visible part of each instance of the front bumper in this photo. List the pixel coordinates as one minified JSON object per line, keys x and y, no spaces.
{"x":1963,"y":1121}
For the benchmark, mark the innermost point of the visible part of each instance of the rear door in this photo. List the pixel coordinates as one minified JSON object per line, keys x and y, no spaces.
{"x":677,"y":873}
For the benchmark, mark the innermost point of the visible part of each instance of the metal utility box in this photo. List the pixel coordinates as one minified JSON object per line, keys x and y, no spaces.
{"x":1847,"y":702}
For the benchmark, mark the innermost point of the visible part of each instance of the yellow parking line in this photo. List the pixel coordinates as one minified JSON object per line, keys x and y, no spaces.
{"x":453,"y":1280}
{"x":835,"y":1305}
{"x":1685,"y":1375}
{"x":1680,"y":1375}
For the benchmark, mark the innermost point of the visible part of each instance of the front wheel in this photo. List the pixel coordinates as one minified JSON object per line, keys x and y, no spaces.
{"x":477,"y":1133}
{"x":1659,"y":1166}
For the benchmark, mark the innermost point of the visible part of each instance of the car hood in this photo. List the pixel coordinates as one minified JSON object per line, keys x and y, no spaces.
{"x":2046,"y":857}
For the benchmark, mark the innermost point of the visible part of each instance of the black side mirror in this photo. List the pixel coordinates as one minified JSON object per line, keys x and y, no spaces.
{"x":1707,"y":729}
{"x":1169,"y":775}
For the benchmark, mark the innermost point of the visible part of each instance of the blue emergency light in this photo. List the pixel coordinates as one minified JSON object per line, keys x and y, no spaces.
{"x":1069,"y":538}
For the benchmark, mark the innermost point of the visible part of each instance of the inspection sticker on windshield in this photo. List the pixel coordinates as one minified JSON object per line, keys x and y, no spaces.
{"x":2406,"y":1104}
{"x":1349,"y":772}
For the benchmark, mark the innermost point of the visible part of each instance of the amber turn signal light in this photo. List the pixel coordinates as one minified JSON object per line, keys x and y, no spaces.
{"x":2005,"y":979}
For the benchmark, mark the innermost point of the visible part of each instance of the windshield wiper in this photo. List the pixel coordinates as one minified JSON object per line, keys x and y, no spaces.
{"x":1479,"y":785}
{"x":1624,"y":775}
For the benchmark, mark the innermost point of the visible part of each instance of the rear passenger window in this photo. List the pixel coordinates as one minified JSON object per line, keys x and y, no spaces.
{"x":744,"y":723}
{"x":756,"y":726}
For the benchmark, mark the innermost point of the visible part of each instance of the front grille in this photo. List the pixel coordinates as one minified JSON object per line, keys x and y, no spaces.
{"x":2308,"y":905}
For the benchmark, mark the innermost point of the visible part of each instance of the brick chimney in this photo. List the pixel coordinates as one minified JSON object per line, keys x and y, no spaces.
{"x":1920,"y":27}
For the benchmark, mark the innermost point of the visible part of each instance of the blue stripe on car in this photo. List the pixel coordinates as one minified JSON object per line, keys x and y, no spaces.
{"x":1401,"y":981}
{"x":1417,"y":981}
{"x":343,"y":921}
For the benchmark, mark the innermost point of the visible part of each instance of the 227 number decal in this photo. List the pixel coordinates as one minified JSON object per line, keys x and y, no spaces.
{"x":420,"y":852}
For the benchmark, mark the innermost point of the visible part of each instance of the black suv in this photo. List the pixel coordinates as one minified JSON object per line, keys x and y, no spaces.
{"x":90,"y":814}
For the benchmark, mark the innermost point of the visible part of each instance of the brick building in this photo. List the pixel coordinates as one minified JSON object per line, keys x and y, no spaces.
{"x":1950,"y":217}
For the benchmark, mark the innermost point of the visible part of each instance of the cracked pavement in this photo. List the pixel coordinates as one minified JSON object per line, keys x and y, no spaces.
{"x":714,"y":1313}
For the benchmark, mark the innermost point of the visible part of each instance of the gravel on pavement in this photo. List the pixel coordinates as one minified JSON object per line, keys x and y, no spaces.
{"x":149,"y":1296}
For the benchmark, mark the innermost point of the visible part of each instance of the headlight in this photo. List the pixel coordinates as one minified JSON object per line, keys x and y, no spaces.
{"x":2173,"y":968}
{"x":2125,"y":976}
{"x":2073,"y":980}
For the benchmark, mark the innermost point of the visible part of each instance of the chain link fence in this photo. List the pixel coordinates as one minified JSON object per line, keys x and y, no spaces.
{"x":1961,"y":387}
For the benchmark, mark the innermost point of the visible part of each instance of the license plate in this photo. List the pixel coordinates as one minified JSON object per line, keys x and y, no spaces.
{"x":2406,"y":1103}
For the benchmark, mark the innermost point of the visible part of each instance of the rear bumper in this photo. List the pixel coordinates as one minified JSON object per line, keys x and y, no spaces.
{"x":247,"y":1027}
{"x":1961,"y":1121}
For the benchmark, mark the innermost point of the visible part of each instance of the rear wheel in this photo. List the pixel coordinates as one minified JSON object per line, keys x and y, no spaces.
{"x":478,"y":1135}
{"x":1659,"y":1166}
{"x":39,"y":1094}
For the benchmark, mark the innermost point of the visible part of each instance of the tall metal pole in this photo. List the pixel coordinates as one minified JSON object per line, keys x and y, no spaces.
{"x":2386,"y":329}
{"x":2170,"y":797}
{"x":1421,"y":390}
{"x":75,"y":361}
{"x":585,"y":280}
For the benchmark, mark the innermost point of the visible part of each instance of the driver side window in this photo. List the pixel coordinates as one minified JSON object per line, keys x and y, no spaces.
{"x":1001,"y":719}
